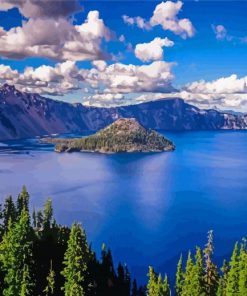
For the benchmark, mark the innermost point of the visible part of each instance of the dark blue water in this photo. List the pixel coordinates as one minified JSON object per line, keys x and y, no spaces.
{"x":147,"y":207}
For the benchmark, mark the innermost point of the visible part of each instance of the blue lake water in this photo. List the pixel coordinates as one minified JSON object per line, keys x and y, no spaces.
{"x":147,"y":207}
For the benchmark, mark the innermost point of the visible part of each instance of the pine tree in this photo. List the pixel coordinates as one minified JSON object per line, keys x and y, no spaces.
{"x":197,"y":282}
{"x":9,"y":212}
{"x":152,"y":282}
{"x":34,"y":216}
{"x":39,"y":219}
{"x":187,"y":286}
{"x":179,"y":277}
{"x":134,"y":291}
{"x":16,"y":257}
{"x":211,"y":275}
{"x":26,"y":287}
{"x":221,"y":288}
{"x":75,"y":262}
{"x":47,"y":214}
{"x":166,"y":287}
{"x":159,"y":286}
{"x":22,"y":201}
{"x":233,"y":274}
{"x":243,"y":271}
{"x":221,"y":291}
{"x":50,"y":288}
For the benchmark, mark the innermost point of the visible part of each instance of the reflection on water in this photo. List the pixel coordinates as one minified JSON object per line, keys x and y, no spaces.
{"x":147,"y":207}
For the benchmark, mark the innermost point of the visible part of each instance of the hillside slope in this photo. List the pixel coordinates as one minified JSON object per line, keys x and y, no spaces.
{"x":124,"y":135}
{"x":25,"y":115}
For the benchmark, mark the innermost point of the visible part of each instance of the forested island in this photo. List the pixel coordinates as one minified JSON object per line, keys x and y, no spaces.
{"x":38,"y":257}
{"x":124,"y":135}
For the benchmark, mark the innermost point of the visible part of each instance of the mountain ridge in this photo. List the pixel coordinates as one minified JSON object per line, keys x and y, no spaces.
{"x":26,"y":115}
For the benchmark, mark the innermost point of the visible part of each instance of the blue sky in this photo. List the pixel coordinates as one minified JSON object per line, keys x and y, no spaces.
{"x":203,"y":56}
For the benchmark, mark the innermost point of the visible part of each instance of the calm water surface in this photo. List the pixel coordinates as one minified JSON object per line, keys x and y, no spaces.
{"x":147,"y":207}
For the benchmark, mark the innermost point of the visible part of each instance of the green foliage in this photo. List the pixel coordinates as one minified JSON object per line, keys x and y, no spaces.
{"x":221,"y":291}
{"x":157,"y":287}
{"x":233,"y":274}
{"x":26,"y":253}
{"x":50,"y":288}
{"x":188,"y":276}
{"x":210,"y":274}
{"x":152,"y":283}
{"x":75,"y":261}
{"x":243,"y":271}
{"x":9,"y":212}
{"x":121,"y":136}
{"x":198,"y":274}
{"x":47,"y":214}
{"x":16,"y":257}
{"x":22,"y":201}
{"x":179,"y":277}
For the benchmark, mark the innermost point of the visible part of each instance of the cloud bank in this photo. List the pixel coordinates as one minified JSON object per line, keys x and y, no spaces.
{"x":48,"y":32}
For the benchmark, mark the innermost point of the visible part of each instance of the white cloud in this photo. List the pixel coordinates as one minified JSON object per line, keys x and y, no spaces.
{"x":229,"y":85}
{"x":165,"y":15}
{"x":153,"y":50}
{"x":101,"y":79}
{"x":138,"y":21}
{"x":122,"y":78}
{"x":58,"y":80}
{"x":104,"y":100}
{"x":44,"y":37}
{"x":225,"y":92}
{"x":100,"y":65}
{"x":6,"y":73}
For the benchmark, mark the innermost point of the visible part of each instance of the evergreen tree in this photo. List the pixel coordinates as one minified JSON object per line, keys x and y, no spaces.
{"x":50,"y":288}
{"x":22,"y":201}
{"x":211,"y":275}
{"x":233,"y":274}
{"x":166,"y":287}
{"x":34,"y":216}
{"x":47,"y":214}
{"x":197,"y":282}
{"x":179,"y":277}
{"x":9,"y":212}
{"x":134,"y":291}
{"x":120,"y":280}
{"x":159,"y":286}
{"x":108,"y":276}
{"x":39,"y":219}
{"x":16,"y":257}
{"x":221,"y":291}
{"x":75,"y":262}
{"x":243,"y":271}
{"x":221,"y":288}
{"x":26,"y":286}
{"x":127,"y":280}
{"x":187,"y":286}
{"x":152,"y":283}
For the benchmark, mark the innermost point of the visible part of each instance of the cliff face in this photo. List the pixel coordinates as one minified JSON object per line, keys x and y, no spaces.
{"x":25,"y":115}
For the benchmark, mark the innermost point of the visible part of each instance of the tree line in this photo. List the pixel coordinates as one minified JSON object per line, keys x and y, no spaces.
{"x":39,"y":257}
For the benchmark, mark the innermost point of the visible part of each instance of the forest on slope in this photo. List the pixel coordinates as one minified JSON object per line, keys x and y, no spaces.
{"x":38,"y":257}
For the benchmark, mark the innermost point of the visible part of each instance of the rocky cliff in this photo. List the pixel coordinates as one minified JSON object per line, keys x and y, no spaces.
{"x":28,"y":115}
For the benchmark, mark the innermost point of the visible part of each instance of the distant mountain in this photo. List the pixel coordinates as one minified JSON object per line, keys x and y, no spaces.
{"x":25,"y":115}
{"x":123,"y":135}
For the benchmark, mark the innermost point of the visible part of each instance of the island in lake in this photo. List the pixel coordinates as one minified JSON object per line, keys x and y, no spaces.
{"x":124,"y":135}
